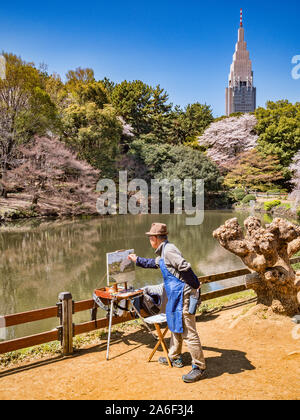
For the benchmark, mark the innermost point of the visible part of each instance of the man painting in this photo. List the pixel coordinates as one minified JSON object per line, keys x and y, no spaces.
{"x":181,"y":286}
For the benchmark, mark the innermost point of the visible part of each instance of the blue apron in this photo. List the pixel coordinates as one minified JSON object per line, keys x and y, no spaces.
{"x":174,"y":289}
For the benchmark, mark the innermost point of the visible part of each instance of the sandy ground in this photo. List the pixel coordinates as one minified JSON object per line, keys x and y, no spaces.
{"x":248,"y":357}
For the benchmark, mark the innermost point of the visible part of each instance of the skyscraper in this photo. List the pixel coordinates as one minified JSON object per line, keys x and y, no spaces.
{"x":240,"y":93}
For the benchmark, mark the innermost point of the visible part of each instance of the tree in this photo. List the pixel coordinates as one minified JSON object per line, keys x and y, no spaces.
{"x":57,"y":91}
{"x":197,"y":118}
{"x":278,"y":127}
{"x":226,"y":139}
{"x":191,"y":122}
{"x":132,"y":101}
{"x":252,"y":171}
{"x":160,"y":115}
{"x":80,"y":76}
{"x":267,"y":251}
{"x":295,"y":168}
{"x":53,"y":175}
{"x":164,"y":161}
{"x":94,"y":133}
{"x":83,"y":88}
{"x":25,"y":109}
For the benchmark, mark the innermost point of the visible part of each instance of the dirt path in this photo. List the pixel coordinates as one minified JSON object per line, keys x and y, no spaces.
{"x":248,"y":357}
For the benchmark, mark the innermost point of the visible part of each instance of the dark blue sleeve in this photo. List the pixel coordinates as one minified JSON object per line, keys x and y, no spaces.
{"x":146,"y":263}
{"x":190,"y":278}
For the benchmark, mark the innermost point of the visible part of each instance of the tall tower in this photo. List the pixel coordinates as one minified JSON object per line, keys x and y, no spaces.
{"x":240,"y":93}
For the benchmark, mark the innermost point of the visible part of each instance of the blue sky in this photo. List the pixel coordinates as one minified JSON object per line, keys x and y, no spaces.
{"x":186,"y":47}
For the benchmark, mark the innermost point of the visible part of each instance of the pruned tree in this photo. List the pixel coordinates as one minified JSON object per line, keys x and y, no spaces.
{"x":254,"y":171}
{"x":267,"y":251}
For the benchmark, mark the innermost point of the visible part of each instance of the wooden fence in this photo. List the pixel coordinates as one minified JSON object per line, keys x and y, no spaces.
{"x":66,"y":308}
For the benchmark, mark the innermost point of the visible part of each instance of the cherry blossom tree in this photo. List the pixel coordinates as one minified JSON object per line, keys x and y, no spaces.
{"x":295,"y":167}
{"x":54,"y":177}
{"x":226,"y":139}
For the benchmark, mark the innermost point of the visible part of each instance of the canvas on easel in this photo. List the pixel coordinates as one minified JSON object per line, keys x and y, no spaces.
{"x":119,"y":268}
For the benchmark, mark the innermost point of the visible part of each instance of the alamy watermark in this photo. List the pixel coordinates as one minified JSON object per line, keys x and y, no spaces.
{"x":296,"y":69}
{"x":165,"y":195}
{"x":2,"y":67}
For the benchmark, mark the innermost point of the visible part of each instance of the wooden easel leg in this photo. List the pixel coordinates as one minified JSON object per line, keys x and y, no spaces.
{"x":157,"y":345}
{"x":161,"y":339}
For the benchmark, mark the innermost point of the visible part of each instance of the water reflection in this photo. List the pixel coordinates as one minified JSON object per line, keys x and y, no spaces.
{"x":40,"y":260}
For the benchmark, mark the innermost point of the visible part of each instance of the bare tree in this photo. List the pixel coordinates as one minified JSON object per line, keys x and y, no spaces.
{"x":52,"y":175}
{"x":25,"y":110}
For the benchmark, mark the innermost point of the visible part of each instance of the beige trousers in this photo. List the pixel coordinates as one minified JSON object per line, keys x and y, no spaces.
{"x":189,"y":335}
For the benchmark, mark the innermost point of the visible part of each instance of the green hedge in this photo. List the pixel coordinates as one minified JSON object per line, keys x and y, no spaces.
{"x":269,"y":205}
{"x":248,"y":198}
{"x":238,"y":194}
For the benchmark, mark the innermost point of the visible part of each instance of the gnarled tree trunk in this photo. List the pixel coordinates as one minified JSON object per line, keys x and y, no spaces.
{"x":267,"y":251}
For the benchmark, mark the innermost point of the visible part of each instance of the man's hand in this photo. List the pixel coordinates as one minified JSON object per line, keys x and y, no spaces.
{"x":132,"y":257}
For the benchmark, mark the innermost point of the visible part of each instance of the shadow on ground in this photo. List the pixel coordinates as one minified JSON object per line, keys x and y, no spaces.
{"x":228,"y":361}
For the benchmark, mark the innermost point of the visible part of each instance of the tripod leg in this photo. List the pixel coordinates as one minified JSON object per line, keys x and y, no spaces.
{"x":109,"y":328}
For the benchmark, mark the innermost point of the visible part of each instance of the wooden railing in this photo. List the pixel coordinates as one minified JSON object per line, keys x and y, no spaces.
{"x":65,"y":309}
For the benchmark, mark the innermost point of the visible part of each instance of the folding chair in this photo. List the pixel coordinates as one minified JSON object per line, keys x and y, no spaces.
{"x":157,"y":320}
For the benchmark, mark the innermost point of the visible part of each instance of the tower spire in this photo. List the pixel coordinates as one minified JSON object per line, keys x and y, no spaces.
{"x":241,"y":93}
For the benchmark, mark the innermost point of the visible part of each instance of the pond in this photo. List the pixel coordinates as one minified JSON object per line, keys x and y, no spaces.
{"x":40,"y":259}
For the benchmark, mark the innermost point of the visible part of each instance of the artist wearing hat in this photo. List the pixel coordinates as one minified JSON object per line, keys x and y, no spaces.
{"x":181,"y":286}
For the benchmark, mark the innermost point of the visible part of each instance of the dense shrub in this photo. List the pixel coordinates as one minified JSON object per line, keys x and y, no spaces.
{"x":238,"y":194}
{"x":269,"y":205}
{"x":248,"y":198}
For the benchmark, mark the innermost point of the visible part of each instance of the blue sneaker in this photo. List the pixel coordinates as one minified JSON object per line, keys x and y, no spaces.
{"x":175,"y":362}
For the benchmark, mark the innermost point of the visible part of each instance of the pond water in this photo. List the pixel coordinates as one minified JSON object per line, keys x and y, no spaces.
{"x":39,"y":259}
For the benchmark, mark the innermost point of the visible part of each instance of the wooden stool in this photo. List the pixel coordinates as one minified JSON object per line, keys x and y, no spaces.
{"x":156,"y":320}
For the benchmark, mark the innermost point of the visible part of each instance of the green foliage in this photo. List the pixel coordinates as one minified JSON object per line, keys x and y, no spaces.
{"x":279,"y":130}
{"x":224,"y":117}
{"x":254,"y":172}
{"x":238,"y":194}
{"x":269,"y":205}
{"x":248,"y":198}
{"x":132,"y":100}
{"x":286,"y":205}
{"x":276,"y":191}
{"x":190,"y":123}
{"x":25,"y":106}
{"x":95,"y":133}
{"x":164,"y":161}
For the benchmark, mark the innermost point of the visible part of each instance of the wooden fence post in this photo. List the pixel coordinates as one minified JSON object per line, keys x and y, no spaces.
{"x":66,"y":327}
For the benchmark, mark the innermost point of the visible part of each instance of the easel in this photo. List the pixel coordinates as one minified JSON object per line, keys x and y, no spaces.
{"x":116,"y":294}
